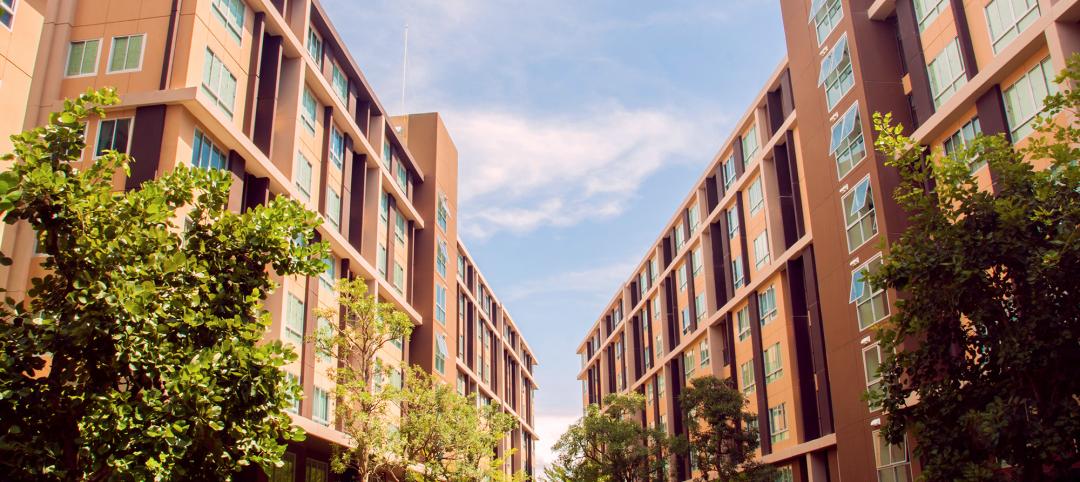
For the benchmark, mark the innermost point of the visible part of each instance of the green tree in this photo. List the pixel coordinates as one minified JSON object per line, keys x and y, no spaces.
{"x":364,"y":401}
{"x":138,"y":356}
{"x":611,"y":444}
{"x":988,"y":322}
{"x":447,"y":437}
{"x":717,"y":438}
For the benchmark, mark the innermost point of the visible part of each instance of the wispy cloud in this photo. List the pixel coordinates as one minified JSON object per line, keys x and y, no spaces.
{"x":597,"y":281}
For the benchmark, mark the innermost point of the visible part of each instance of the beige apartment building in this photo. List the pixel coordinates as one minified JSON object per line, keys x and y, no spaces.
{"x":267,"y":90}
{"x":758,"y":277}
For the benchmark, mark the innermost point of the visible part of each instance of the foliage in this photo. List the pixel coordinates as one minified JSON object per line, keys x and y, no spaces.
{"x":447,"y":436}
{"x":717,"y":439}
{"x":363,"y":398}
{"x":138,"y":355}
{"x":611,"y":444}
{"x":987,"y":325}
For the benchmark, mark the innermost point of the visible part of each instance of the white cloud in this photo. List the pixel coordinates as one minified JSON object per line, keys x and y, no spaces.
{"x":600,"y":281}
{"x":549,"y":428}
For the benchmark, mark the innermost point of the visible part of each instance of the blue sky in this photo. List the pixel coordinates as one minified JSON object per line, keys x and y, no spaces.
{"x":580,"y":126}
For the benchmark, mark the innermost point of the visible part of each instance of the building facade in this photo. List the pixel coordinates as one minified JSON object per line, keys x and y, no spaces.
{"x":758,"y":276}
{"x":267,"y":90}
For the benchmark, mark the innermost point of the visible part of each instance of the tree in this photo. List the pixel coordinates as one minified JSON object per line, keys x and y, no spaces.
{"x":363,"y":401}
{"x":716,"y":436}
{"x":611,"y":444}
{"x":447,"y":436}
{"x":987,"y":328}
{"x":138,"y":355}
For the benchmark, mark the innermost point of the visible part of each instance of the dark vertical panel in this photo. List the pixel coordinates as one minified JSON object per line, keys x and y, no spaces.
{"x":796,"y":187}
{"x":347,"y":187}
{"x":817,"y":343}
{"x":146,"y":144}
{"x":773,"y":109}
{"x":759,"y":373}
{"x":911,"y":42}
{"x":784,"y":176}
{"x":742,"y":240}
{"x":237,"y":171}
{"x":170,"y":45}
{"x":992,"y":120}
{"x":795,"y":304}
{"x":266,"y":98}
{"x":358,"y":180}
{"x":963,"y":35}
{"x":787,"y":97}
{"x":740,"y":161}
{"x":712,"y":196}
{"x":256,"y":192}
{"x":253,"y":68}
{"x":324,"y":155}
{"x":720,"y":259}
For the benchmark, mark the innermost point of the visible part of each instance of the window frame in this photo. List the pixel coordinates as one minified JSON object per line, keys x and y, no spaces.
{"x":97,"y":137}
{"x":440,"y":303}
{"x":776,"y":433}
{"x":290,"y":331}
{"x":848,"y":141}
{"x":925,"y":16}
{"x":309,"y":123}
{"x":1024,"y":128}
{"x":733,"y":221}
{"x":838,"y":72}
{"x":767,"y":298}
{"x":860,"y":300}
{"x":315,"y":406}
{"x":746,"y":371}
{"x":337,"y":156}
{"x":948,"y":62}
{"x":71,"y":48}
{"x":869,"y":213}
{"x":773,"y":360}
{"x":737,"y":267}
{"x":218,"y":92}
{"x":759,"y":259}
{"x":235,"y":29}
{"x":872,"y":384}
{"x":301,"y":161}
{"x":199,"y":141}
{"x":820,"y":6}
{"x":112,"y":53}
{"x":318,"y":43}
{"x":11,"y":11}
{"x":742,"y":323}
{"x":999,"y":42}
{"x":755,"y":205}
{"x":333,"y":209}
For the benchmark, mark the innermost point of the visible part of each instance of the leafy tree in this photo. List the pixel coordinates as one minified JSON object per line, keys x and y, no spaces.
{"x":138,"y":356}
{"x":717,"y":438}
{"x":364,"y":402}
{"x":987,"y":326}
{"x":611,"y":444}
{"x":447,"y":437}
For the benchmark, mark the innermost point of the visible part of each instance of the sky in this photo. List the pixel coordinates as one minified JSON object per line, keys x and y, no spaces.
{"x":580,"y":126}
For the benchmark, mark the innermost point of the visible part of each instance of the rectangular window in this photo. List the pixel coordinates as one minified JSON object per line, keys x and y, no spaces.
{"x":7,"y":12}
{"x":699,"y":306}
{"x":694,"y":216}
{"x":825,"y":14}
{"x":946,"y":73}
{"x":871,"y":368}
{"x":384,"y":207}
{"x":767,"y":305}
{"x":680,"y":236}
{"x":680,"y":275}
{"x":337,"y":147}
{"x":126,"y":53}
{"x":962,"y":139}
{"x":231,"y":14}
{"x":381,"y":260}
{"x":442,"y":213}
{"x":660,"y":383}
{"x":440,"y":303}
{"x":399,"y":229}
{"x":654,"y":270}
{"x":82,"y":58}
{"x":294,"y":402}
{"x":859,"y":214}
{"x":205,"y":155}
{"x":737,"y":273}
{"x":927,"y":10}
{"x":836,"y":73}
{"x":729,"y":172}
{"x":219,"y":83}
{"x":847,"y":144}
{"x":774,"y":367}
{"x":333,"y":207}
{"x":755,"y":196}
{"x":684,"y":315}
{"x":1007,"y":18}
{"x":403,"y":177}
{"x":748,"y":383}
{"x":689,"y":364}
{"x":308,"y":108}
{"x":315,"y":46}
{"x":303,"y":176}
{"x":399,"y":277}
{"x":294,"y":319}
{"x":320,"y":410}
{"x":340,"y":83}
{"x":442,"y":257}
{"x":761,"y":250}
{"x":643,"y":283}
{"x":703,"y":349}
{"x":871,"y":304}
{"x":892,"y":460}
{"x":732,"y":222}
{"x":1024,"y":99}
{"x":327,"y":277}
{"x":440,"y":353}
{"x":785,"y":474}
{"x":287,"y":471}
{"x":325,"y":329}
{"x":778,"y":429}
{"x":742,"y":319}
{"x":113,"y":135}
{"x":750,"y":143}
{"x":387,"y":153}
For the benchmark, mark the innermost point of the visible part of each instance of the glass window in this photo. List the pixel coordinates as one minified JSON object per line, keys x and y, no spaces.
{"x":927,"y":10}
{"x":643,"y":283}
{"x":694,"y":215}
{"x":399,"y":229}
{"x":316,"y":471}
{"x":778,"y":429}
{"x":767,"y":305}
{"x":847,"y":144}
{"x":697,"y":260}
{"x":680,"y":274}
{"x":756,"y":198}
{"x":333,"y":207}
{"x":859,"y":214}
{"x":761,"y":249}
{"x":785,"y":474}
{"x":115,"y":135}
{"x":82,"y":58}
{"x":1024,"y":99}
{"x":387,"y":153}
{"x":204,"y":154}
{"x":337,"y":147}
{"x":403,"y":177}
{"x":287,"y":471}
{"x":441,"y":257}
{"x":836,"y":73}
{"x":327,"y":277}
{"x":440,"y":353}
{"x":742,"y":318}
{"x":747,"y":370}
{"x":340,"y":84}
{"x":825,"y":14}
{"x":684,"y":315}
{"x":703,"y":349}
{"x":680,"y":236}
{"x":654,"y":270}
{"x":231,"y":14}
{"x":946,"y":73}
{"x":325,"y":328}
{"x":737,"y":272}
{"x":961,"y":139}
{"x":660,"y":383}
{"x":774,"y":367}
{"x":699,"y":306}
{"x":294,"y":319}
{"x":7,"y":12}
{"x":1007,"y":18}
{"x":399,"y":277}
{"x":729,"y":172}
{"x":871,"y":368}
{"x":442,"y":212}
{"x":689,"y":364}
{"x":126,"y":53}
{"x":892,"y":460}
{"x":381,"y":260}
{"x":732,"y":222}
{"x":219,"y":83}
{"x":303,"y":176}
{"x":308,"y":108}
{"x":750,"y":144}
{"x":440,"y":303}
{"x":871,"y":305}
{"x":315,"y":46}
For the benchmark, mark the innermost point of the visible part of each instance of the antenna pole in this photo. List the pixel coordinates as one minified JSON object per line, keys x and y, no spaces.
{"x":404,"y":68}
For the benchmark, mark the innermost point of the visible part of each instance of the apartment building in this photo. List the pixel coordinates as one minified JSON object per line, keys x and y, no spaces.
{"x":758,"y":277}
{"x":267,"y":90}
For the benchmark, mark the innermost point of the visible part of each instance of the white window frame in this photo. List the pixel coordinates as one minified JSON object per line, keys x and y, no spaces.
{"x":440,"y":303}
{"x":337,"y":156}
{"x":777,"y":433}
{"x":313,"y":38}
{"x":703,"y":350}
{"x":742,"y":323}
{"x":761,"y":250}
{"x":891,"y":465}
{"x":318,"y":405}
{"x":1016,"y":24}
{"x":1021,"y":128}
{"x":442,"y":213}
{"x":825,"y":15}
{"x":767,"y":309}
{"x":442,"y":256}
{"x":746,"y":371}
{"x":10,"y":10}
{"x":962,"y":139}
{"x":928,"y":10}
{"x":208,"y":144}
{"x":750,"y":143}
{"x":858,"y":222}
{"x":71,"y":48}
{"x":291,"y":334}
{"x":759,"y":202}
{"x":233,"y":25}
{"x":861,"y":293}
{"x":737,"y":267}
{"x":112,"y":52}
{"x":301,"y":161}
{"x":338,"y":73}
{"x":326,"y":278}
{"x":733,"y":221}
{"x":699,"y":306}
{"x":947,"y":72}
{"x":844,"y":141}
{"x":873,"y":381}
{"x":441,"y":351}
{"x":837,"y":74}
{"x":333,"y":209}
{"x":101,"y":124}
{"x":697,"y":260}
{"x":309,"y":123}
{"x":773,"y":360}
{"x":729,"y":172}
{"x":224,"y":99}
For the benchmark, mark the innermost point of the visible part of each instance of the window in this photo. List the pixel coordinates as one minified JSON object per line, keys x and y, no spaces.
{"x":440,"y":353}
{"x":680,"y":274}
{"x":399,"y":277}
{"x":1007,"y":18}
{"x":337,"y":147}
{"x":1024,"y":99}
{"x":442,"y":213}
{"x":836,"y":73}
{"x":219,"y":83}
{"x":316,"y":471}
{"x":7,"y":12}
{"x":871,"y":304}
{"x":303,"y":176}
{"x":333,"y":207}
{"x":307,"y":110}
{"x":747,"y":370}
{"x":703,"y":349}
{"x":231,"y":14}
{"x":314,"y":46}
{"x":643,"y":283}
{"x":325,"y":329}
{"x":680,"y":236}
{"x":767,"y":305}
{"x":859,"y":214}
{"x":684,"y":315}
{"x":825,"y":14}
{"x":871,"y":368}
{"x":441,"y":257}
{"x":660,"y":383}
{"x":785,"y":474}
{"x":294,"y":402}
{"x":961,"y":139}
{"x":387,"y":153}
{"x":327,"y":277}
{"x":742,"y":319}
{"x":440,"y":303}
{"x":892,"y":460}
{"x":403,"y":177}
{"x":659,"y":346}
{"x":399,"y":229}
{"x":113,"y":134}
{"x":946,"y":73}
{"x":699,"y":306}
{"x":757,"y":200}
{"x":750,"y":143}
{"x":82,"y":58}
{"x":689,"y":364}
{"x":294,"y":319}
{"x":847,"y":144}
{"x":737,"y":273}
{"x":648,"y":392}
{"x":126,"y":54}
{"x":694,"y":215}
{"x":654,"y":270}
{"x":778,"y":423}
{"x":926,"y":11}
{"x":761,"y":249}
{"x":697,"y":260}
{"x":287,"y":471}
{"x":381,"y":260}
{"x":732,"y":222}
{"x":340,"y":83}
{"x":729,"y":172}
{"x":774,"y":367}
